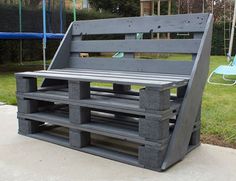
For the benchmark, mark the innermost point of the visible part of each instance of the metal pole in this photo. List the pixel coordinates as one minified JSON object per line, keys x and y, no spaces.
{"x":20,"y":29}
{"x":44,"y":35}
{"x":203,"y":6}
{"x":61,"y":16}
{"x":212,"y":6}
{"x":74,"y":9}
{"x":158,"y":13}
{"x":232,"y":34}
{"x":169,"y":13}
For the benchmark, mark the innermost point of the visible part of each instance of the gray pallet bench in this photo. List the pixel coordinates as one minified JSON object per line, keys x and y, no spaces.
{"x":149,"y":128}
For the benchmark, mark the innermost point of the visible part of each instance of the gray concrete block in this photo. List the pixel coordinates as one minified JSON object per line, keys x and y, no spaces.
{"x":154,"y":99}
{"x":152,"y":156}
{"x":79,"y":139}
{"x":26,"y":84}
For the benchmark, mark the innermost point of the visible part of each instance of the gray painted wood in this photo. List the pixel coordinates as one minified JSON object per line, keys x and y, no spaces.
{"x":67,"y":66}
{"x":158,"y":24}
{"x":105,"y":103}
{"x":144,"y":46}
{"x":62,"y":54}
{"x":86,"y":78}
{"x":192,"y":101}
{"x":125,"y":64}
{"x":96,"y":128}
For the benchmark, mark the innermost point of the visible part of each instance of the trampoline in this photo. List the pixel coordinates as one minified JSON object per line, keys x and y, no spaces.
{"x":50,"y":9}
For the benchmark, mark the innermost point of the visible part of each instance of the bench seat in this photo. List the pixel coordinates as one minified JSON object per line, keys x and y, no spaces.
{"x":118,"y":77}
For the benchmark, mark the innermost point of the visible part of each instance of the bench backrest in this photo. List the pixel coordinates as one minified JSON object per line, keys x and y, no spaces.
{"x":75,"y":42}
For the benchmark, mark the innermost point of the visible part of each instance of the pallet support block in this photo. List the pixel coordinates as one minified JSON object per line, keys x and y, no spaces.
{"x":77,"y":114}
{"x":153,"y":99}
{"x":79,"y":139}
{"x":154,"y":129}
{"x":27,"y":127}
{"x":152,"y":156}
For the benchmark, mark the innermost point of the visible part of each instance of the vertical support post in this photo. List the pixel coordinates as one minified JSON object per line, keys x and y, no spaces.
{"x":74,"y":9}
{"x":141,"y":9}
{"x":232,"y":34}
{"x":61,"y":16}
{"x":169,"y":13}
{"x":20,"y":29}
{"x":158,"y":14}
{"x":77,"y":114}
{"x":153,"y":8}
{"x":154,"y":128}
{"x":44,"y":35}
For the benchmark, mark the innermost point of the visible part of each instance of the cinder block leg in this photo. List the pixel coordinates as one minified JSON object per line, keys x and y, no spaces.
{"x":28,"y":127}
{"x":152,"y":156}
{"x":79,"y":115}
{"x":79,"y":139}
{"x":154,"y":129}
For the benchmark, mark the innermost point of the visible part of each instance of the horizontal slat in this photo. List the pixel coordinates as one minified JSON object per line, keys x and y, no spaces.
{"x":129,"y":64}
{"x":145,"y":46}
{"x":120,"y":75}
{"x":96,"y":128}
{"x":87,"y":78}
{"x":114,"y":155}
{"x":103,"y":102}
{"x":174,"y":23}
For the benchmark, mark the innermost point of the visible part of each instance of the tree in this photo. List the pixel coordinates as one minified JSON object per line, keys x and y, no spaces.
{"x":120,"y":7}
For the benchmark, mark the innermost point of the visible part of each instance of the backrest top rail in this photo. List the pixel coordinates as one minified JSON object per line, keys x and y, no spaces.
{"x":147,"y":24}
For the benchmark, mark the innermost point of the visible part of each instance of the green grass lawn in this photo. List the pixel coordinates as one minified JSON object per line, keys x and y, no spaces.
{"x":219,"y":103}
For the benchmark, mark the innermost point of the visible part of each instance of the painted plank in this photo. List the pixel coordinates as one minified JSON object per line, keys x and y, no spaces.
{"x":189,"y":46}
{"x":192,"y":101}
{"x":126,"y":81}
{"x":118,"y":76}
{"x":127,"y":73}
{"x":96,"y":128}
{"x":158,"y":24}
{"x":126,"y":64}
